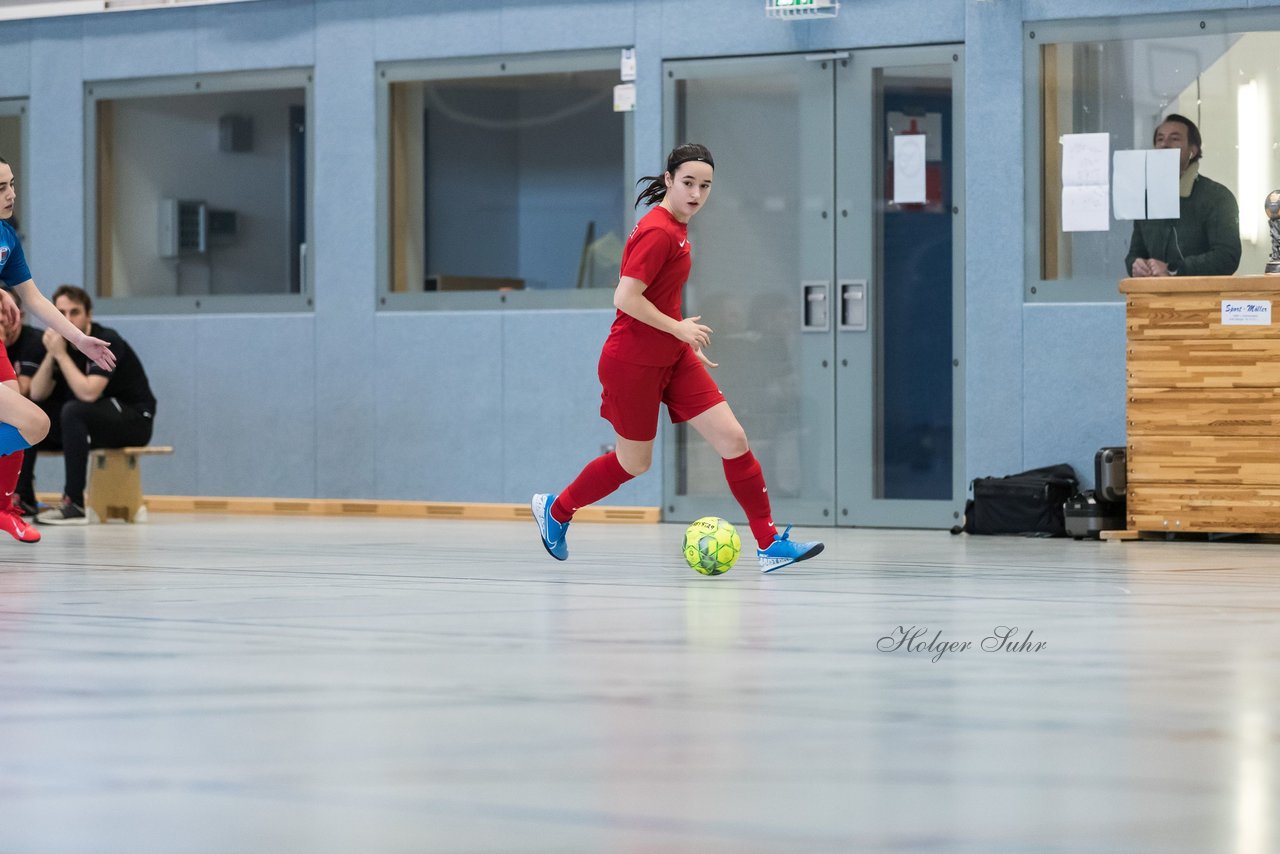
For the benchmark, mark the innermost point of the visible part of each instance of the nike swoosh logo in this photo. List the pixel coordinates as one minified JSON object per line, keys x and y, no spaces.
{"x":683,"y":242}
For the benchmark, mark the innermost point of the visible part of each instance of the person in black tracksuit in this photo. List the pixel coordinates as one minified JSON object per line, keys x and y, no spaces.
{"x":88,"y":407}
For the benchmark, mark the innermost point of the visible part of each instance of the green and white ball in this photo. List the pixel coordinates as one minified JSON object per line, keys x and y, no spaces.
{"x":711,"y":545}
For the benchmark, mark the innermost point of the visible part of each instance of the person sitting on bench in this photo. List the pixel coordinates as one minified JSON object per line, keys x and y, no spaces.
{"x":88,"y":407}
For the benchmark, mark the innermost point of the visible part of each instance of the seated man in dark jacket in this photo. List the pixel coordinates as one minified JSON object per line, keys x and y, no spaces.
{"x":1205,"y":238}
{"x":87,"y":406}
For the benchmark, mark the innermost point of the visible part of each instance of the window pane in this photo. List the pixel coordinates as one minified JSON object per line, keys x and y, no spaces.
{"x":1222,"y":82}
{"x":512,"y":182}
{"x":201,"y":194}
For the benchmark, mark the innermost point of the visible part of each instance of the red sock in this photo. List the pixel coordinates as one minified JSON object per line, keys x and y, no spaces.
{"x":746,"y":482}
{"x":10,"y":467}
{"x":601,"y":477}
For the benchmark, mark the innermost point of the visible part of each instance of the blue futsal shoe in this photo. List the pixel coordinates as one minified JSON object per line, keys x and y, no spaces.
{"x":552,"y":531}
{"x":782,"y":552}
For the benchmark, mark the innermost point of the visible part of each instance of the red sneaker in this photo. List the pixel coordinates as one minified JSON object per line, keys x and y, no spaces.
{"x":15,"y":526}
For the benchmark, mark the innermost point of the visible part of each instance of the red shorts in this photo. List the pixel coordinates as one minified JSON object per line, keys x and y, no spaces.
{"x":6,"y":367}
{"x":631,"y":394}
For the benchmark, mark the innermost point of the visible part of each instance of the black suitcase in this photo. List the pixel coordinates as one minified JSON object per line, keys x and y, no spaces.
{"x":1087,"y":516}
{"x":1109,"y":474}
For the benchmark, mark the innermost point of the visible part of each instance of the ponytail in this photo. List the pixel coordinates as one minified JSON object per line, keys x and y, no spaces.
{"x":655,"y":189}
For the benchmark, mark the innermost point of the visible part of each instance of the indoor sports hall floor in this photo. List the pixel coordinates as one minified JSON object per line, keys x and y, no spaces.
{"x":241,"y":684}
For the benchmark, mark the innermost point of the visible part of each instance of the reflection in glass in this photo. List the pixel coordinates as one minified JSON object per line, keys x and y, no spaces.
{"x":1222,"y":82}
{"x":511,"y":182}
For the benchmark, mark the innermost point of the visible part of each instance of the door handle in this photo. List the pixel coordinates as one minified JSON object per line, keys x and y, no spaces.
{"x":853,"y":305}
{"x":815,"y":309}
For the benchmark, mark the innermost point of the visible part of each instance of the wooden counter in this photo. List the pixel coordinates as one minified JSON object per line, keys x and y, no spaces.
{"x":1203,"y":406}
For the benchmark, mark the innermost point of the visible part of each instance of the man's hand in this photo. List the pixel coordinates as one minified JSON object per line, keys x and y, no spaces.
{"x":54,"y":343}
{"x":1142,"y":267}
{"x":1158,"y":268}
{"x":702,"y":357}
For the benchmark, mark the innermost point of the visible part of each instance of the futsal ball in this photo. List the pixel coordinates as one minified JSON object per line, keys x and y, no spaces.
{"x":711,"y":545}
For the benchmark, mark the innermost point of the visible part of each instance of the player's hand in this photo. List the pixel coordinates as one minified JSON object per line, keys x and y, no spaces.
{"x":54,"y":342}
{"x":693,"y":333}
{"x":1141,"y":268}
{"x":702,"y":357}
{"x":9,"y":313}
{"x":99,"y":351}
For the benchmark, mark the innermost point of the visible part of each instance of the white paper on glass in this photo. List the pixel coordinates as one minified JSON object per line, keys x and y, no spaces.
{"x":909,"y":169}
{"x":1085,"y":208}
{"x":1084,"y":182}
{"x":628,"y":68}
{"x":1129,"y":184}
{"x":1162,"y":183}
{"x":1084,"y":159}
{"x":624,"y":98}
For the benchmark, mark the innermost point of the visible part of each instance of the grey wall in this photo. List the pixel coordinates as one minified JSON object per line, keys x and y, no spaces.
{"x":489,"y":406}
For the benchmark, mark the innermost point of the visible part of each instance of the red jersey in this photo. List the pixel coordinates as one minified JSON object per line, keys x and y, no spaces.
{"x":657,"y":253}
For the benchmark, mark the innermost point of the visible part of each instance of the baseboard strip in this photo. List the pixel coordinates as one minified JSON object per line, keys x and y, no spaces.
{"x":391,"y":509}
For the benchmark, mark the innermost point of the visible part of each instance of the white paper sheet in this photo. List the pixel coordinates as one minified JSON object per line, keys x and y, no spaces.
{"x":1129,"y":184}
{"x":624,"y":98}
{"x":1162,"y":183}
{"x":1085,"y":208}
{"x":1084,"y":182}
{"x":909,"y":169}
{"x":1084,"y":159}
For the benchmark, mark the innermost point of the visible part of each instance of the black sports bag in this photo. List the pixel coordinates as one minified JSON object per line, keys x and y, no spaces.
{"x":1027,"y":503}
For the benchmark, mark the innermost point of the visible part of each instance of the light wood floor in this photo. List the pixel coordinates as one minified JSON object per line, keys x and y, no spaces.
{"x":241,"y":684}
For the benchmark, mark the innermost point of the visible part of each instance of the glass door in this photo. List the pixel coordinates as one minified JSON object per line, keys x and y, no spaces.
{"x":900,"y":288}
{"x":789,"y":258}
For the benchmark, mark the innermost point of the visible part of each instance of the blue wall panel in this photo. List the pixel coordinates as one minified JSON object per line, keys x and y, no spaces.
{"x":551,"y":419}
{"x":1073,"y":384}
{"x":410,"y":29}
{"x":15,"y":59}
{"x":280,"y":34}
{"x":55,"y":158}
{"x":123,"y":46}
{"x":993,"y":239}
{"x":344,"y":248}
{"x":256,"y":405}
{"x":167,"y":348}
{"x":566,"y":25}
{"x":438,"y":386}
{"x":1037,"y":10}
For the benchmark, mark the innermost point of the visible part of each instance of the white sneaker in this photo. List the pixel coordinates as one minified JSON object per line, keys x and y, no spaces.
{"x":65,"y":514}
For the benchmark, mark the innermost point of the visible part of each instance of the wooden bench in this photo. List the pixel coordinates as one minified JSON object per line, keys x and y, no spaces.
{"x":114,"y":487}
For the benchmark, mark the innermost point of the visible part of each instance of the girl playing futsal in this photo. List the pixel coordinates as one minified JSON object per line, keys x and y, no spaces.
{"x":654,"y":355}
{"x":23,"y":423}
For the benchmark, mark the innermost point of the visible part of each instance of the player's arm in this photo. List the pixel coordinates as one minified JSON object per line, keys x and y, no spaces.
{"x":39,"y":305}
{"x":629,"y":299}
{"x":42,"y":381}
